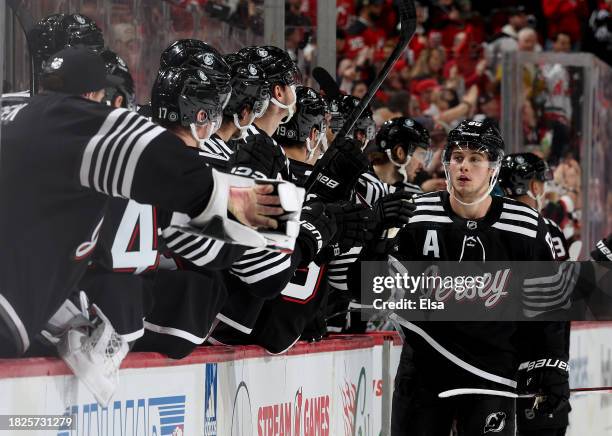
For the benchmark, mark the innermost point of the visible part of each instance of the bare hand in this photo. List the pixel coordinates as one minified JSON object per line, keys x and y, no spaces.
{"x":255,"y":206}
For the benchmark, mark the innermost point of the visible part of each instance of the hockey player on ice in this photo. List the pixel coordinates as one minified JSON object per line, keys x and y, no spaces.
{"x":466,"y":223}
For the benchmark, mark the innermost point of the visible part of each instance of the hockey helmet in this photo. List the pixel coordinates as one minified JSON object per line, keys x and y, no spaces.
{"x":517,"y":171}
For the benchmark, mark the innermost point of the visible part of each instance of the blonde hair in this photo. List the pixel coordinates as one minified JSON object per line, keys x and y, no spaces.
{"x":421,"y":67}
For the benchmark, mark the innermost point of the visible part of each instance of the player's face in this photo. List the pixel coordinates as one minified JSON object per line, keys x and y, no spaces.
{"x":470,"y":173}
{"x":417,"y":163}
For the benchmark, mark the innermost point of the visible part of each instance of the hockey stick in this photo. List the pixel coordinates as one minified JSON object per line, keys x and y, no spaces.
{"x":326,"y":82}
{"x":407,"y":12}
{"x":494,"y":392}
{"x":24,"y":16}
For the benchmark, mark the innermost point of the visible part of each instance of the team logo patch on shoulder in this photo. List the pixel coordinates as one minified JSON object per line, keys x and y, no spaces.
{"x":208,"y":60}
{"x":57,"y":63}
{"x":262,"y":52}
{"x":79,"y":19}
{"x":495,"y":422}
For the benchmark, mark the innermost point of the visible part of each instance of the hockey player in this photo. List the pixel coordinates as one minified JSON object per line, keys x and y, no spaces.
{"x":69,"y":152}
{"x":48,"y":36}
{"x":466,"y":223}
{"x":123,"y":94}
{"x":249,"y":100}
{"x":401,"y":150}
{"x":523,"y":177}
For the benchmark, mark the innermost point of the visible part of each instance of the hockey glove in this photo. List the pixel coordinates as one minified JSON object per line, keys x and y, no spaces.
{"x":394,"y":210}
{"x":336,"y":173}
{"x":317,"y":228}
{"x":548,"y":380}
{"x":603,"y":250}
{"x":356,"y":224}
{"x":258,"y":157}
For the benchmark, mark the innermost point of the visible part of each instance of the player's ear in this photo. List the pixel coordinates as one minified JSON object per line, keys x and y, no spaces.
{"x":536,"y":187}
{"x":399,"y":153}
{"x":201,"y":117}
{"x":314,"y":133}
{"x":118,"y":101}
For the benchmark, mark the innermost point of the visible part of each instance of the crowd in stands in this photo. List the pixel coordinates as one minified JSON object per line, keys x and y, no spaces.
{"x":452,"y":71}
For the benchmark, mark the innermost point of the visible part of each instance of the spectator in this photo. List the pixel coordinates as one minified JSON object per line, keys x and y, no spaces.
{"x":430,"y":65}
{"x":562,"y":43}
{"x":363,"y":33}
{"x":564,"y":16}
{"x":517,"y":20}
{"x":359,"y":89}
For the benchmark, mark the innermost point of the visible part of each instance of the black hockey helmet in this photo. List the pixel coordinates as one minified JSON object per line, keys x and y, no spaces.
{"x":249,"y":87}
{"x":58,"y":31}
{"x":116,"y":66}
{"x":518,"y":169}
{"x":178,"y":94}
{"x":476,"y":135}
{"x":275,"y":62}
{"x":402,"y":131}
{"x":310,"y":112}
{"x":341,"y":106}
{"x":193,"y":53}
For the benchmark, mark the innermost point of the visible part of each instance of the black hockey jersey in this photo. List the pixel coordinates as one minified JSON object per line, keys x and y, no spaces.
{"x":56,"y":178}
{"x":509,"y":231}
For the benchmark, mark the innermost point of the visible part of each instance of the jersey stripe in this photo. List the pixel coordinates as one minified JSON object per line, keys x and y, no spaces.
{"x":431,"y":218}
{"x":513,"y":228}
{"x":450,"y":356}
{"x":430,"y":207}
{"x":524,"y":209}
{"x":428,"y":199}
{"x":518,"y":217}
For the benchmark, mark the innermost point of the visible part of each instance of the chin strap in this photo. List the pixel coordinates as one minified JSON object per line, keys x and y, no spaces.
{"x":290,"y":107}
{"x":243,"y":129}
{"x":401,"y":168}
{"x":492,"y":183}
{"x":538,"y":199}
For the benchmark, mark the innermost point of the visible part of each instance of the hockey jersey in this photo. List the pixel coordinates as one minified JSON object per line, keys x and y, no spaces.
{"x":56,"y":180}
{"x":510,"y":231}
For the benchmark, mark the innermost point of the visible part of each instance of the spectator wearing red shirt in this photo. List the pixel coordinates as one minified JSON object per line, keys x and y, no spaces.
{"x":565,"y":16}
{"x":363,"y":33}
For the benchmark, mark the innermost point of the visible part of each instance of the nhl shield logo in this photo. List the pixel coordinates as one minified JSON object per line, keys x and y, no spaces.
{"x":57,"y":63}
{"x":262,"y":52}
{"x":208,"y":60}
{"x":472,"y":225}
{"x":203,"y":77}
{"x":252,"y":70}
{"x":79,"y":19}
{"x":495,"y":422}
{"x":520,"y":160}
{"x":408,"y":123}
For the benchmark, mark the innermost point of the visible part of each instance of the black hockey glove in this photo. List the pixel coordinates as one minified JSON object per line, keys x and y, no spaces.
{"x":603,"y":251}
{"x":394,"y":210}
{"x":318,"y":227}
{"x":336,"y":173}
{"x":259,"y":158}
{"x":548,"y":379}
{"x":356,"y":224}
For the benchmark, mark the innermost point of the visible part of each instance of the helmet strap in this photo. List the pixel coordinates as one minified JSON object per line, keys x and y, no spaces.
{"x":290,"y":107}
{"x":401,"y":168}
{"x":243,"y":129}
{"x":492,"y":182}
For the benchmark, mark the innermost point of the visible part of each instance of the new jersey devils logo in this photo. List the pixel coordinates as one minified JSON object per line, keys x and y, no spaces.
{"x":495,"y":422}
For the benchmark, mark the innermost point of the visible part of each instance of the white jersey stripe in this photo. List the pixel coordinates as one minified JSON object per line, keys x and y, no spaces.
{"x":212,"y":254}
{"x":100,"y":182}
{"x":428,"y":200}
{"x":132,"y":162}
{"x":174,"y":332}
{"x":429,"y":207}
{"x":118,"y":145}
{"x":245,"y":271}
{"x":524,"y":209}
{"x":123,"y":152}
{"x":266,"y":273}
{"x":432,"y":218}
{"x":91,"y":147}
{"x":515,"y":229}
{"x":450,"y":356}
{"x":518,"y":217}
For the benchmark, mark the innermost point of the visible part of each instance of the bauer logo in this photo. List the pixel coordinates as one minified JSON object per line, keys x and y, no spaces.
{"x":154,"y":416}
{"x":210,"y":400}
